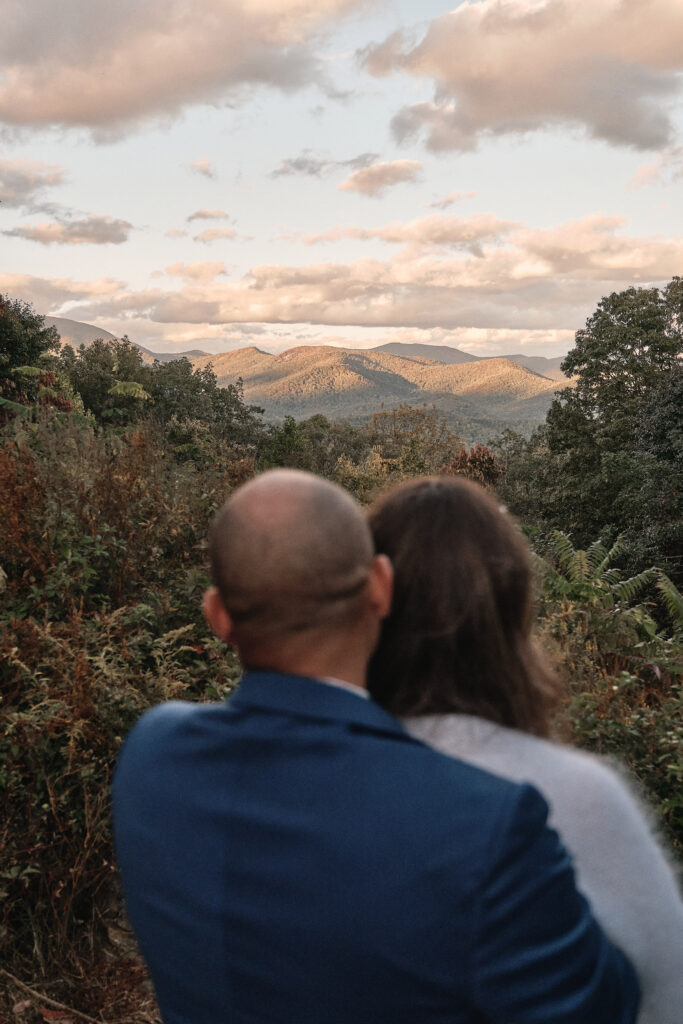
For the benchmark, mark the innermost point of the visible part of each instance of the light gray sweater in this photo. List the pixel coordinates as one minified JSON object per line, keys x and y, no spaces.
{"x":620,"y":866}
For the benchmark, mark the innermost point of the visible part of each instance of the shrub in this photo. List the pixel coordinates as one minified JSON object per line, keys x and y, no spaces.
{"x":102,"y":559}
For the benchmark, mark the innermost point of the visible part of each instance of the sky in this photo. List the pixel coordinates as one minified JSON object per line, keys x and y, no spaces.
{"x":210,"y":174}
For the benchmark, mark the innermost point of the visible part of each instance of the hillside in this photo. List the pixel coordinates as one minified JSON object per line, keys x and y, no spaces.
{"x":76,"y":333}
{"x":479,"y":397}
{"x":541,"y":364}
{"x":447,"y":354}
{"x":442,"y":353}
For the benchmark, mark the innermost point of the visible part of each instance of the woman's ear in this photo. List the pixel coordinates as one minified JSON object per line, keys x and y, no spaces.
{"x":381,"y":585}
{"x":216,"y":615}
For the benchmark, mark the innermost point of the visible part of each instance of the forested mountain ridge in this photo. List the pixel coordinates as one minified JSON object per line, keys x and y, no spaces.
{"x":350,"y":384}
{"x":477,"y":394}
{"x":447,"y":354}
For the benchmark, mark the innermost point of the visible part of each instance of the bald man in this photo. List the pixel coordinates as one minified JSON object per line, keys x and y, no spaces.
{"x":293,"y":857}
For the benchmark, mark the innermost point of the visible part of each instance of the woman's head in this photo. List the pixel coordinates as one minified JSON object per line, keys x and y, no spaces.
{"x":459,"y":635}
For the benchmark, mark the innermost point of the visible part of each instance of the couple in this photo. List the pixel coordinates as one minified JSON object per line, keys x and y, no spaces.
{"x":295,"y":856}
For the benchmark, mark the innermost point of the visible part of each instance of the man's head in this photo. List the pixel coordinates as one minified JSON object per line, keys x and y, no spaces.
{"x":294,"y":573}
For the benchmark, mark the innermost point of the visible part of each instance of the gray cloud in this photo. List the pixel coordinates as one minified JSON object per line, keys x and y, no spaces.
{"x":88,"y":231}
{"x":108,"y":66}
{"x":22,"y":181}
{"x":308,"y":163}
{"x":610,"y":67}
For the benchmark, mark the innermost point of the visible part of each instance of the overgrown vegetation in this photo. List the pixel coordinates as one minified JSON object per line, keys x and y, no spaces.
{"x":110,"y":471}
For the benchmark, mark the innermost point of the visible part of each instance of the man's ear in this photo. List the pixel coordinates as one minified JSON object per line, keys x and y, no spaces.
{"x":216,"y":615}
{"x":380,"y":585}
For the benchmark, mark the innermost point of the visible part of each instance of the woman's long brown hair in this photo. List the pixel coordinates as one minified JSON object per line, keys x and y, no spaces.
{"x":459,"y":635}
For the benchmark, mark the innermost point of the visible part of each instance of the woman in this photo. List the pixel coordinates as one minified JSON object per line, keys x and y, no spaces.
{"x":457,"y":662}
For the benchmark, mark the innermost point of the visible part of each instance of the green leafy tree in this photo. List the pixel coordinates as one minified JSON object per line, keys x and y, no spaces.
{"x":25,"y":347}
{"x":24,"y":338}
{"x":632,"y":339}
{"x":416,"y":440}
{"x":608,"y":459}
{"x":95,"y":370}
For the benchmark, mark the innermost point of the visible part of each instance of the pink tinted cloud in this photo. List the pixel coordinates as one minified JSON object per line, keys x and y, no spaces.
{"x":524,"y":279}
{"x":208,"y":215}
{"x":203,"y":167}
{"x":107,"y":67}
{"x":610,"y":67}
{"x":214,"y":235}
{"x":375,"y":179}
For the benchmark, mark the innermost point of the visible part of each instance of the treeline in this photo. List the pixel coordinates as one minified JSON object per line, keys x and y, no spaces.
{"x":110,"y":470}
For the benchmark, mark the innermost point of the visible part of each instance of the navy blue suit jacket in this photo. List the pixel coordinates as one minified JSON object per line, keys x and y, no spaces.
{"x":294,"y":857}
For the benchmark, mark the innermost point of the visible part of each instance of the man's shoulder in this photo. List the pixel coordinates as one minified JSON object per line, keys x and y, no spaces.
{"x":169,"y":717}
{"x":163,"y":729}
{"x":454,"y":801}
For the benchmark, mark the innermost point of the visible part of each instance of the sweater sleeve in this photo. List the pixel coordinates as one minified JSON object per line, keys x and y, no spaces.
{"x":632,"y":887}
{"x":539,"y":956}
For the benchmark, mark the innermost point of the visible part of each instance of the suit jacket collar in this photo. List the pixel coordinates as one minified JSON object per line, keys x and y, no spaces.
{"x":304,"y":697}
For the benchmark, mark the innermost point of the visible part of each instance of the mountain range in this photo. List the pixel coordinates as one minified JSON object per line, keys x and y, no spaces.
{"x":480,"y":396}
{"x":448,"y":354}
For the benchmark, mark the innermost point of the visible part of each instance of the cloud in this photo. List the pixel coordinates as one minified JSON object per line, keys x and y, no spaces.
{"x":51,"y":294}
{"x":175,"y":233}
{"x":22,"y":181}
{"x":610,"y":67}
{"x":452,"y":197}
{"x":203,"y":272}
{"x":373,"y":180}
{"x":524,"y":279}
{"x":214,"y":235}
{"x":668,"y":167}
{"x":207,"y":215}
{"x":88,"y":231}
{"x":311,"y":165}
{"x":435,"y":230}
{"x":108,"y":67}
{"x":203,"y":167}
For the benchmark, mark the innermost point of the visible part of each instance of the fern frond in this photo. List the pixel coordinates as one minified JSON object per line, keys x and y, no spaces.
{"x":613,"y":553}
{"x":28,"y":371}
{"x":673,"y":599}
{"x":15,"y":407}
{"x":563,"y":547}
{"x":629,"y":590}
{"x":611,"y":577}
{"x":129,"y":389}
{"x":596,"y":555}
{"x":579,"y":570}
